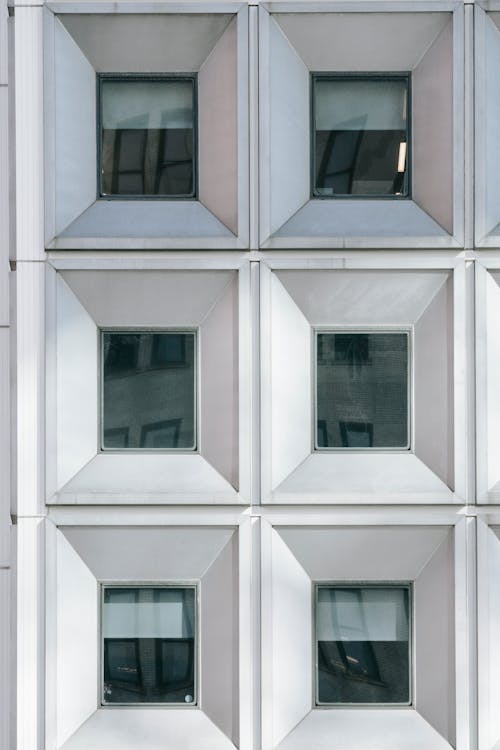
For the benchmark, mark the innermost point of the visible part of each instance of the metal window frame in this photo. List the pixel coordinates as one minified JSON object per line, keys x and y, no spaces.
{"x":408,"y":586}
{"x":103,"y":585}
{"x":408,"y":330}
{"x":153,"y":77}
{"x":361,"y":76}
{"x":196,"y":399}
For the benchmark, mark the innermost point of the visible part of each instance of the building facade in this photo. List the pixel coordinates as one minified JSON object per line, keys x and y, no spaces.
{"x":249,"y":375}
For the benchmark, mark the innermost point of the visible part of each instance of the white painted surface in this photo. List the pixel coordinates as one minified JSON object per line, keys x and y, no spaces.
{"x":376,"y":728}
{"x":489,"y":647}
{"x":75,"y":130}
{"x":289,"y":354}
{"x":492,"y":373}
{"x":434,"y":605}
{"x":5,"y":450}
{"x":219,"y":384}
{"x":77,"y":397}
{"x":368,"y":41}
{"x":291,"y":640}
{"x":6,"y":658}
{"x":432,"y":130}
{"x":4,"y":200}
{"x":152,"y":298}
{"x":173,"y":553}
{"x":488,"y":123}
{"x":219,"y":642}
{"x":149,"y":729}
{"x":146,"y":43}
{"x":363,"y":553}
{"x":218,"y":129}
{"x":288,"y":130}
{"x":77,"y":643}
{"x":4,"y":76}
{"x":433,"y":385}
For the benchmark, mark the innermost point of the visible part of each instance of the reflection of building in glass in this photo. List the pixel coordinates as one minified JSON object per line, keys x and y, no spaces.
{"x":362,"y":390}
{"x":148,"y":390}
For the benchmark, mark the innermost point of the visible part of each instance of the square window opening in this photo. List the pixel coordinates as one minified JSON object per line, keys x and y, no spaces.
{"x":362,"y":390}
{"x":360,"y":135}
{"x":148,"y":390}
{"x":149,"y":645}
{"x":363,"y":644}
{"x":147,"y":136}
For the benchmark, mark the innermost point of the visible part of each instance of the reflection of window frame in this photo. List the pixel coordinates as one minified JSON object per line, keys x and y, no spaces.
{"x":408,"y":586}
{"x":361,"y":76}
{"x":196,"y":383}
{"x":153,"y":426}
{"x":196,"y":650}
{"x":153,"y":77}
{"x":316,"y":330}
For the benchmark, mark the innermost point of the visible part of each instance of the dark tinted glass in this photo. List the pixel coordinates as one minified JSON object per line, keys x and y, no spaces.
{"x":149,"y":645}
{"x":362,"y":644}
{"x":147,"y":137}
{"x":360,"y":136}
{"x":148,"y":390}
{"x":362,"y":390}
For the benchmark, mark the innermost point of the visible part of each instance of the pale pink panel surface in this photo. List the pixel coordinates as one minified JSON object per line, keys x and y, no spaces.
{"x":217,"y":105}
{"x":432,"y":123}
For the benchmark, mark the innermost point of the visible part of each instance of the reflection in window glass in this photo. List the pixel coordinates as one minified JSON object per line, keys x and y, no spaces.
{"x":360,"y":136}
{"x":362,"y":390}
{"x":148,"y":645}
{"x":362,"y":644}
{"x":148,"y":390}
{"x":147,"y":131}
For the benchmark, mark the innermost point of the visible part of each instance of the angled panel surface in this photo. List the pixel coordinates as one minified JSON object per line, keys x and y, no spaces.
{"x":489,"y":643}
{"x":218,"y":132}
{"x":492,"y":379}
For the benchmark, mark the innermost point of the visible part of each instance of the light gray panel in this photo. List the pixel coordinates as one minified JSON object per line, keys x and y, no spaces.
{"x":75,"y":126}
{"x":369,"y":297}
{"x":432,"y":130}
{"x":147,"y":554}
{"x":219,"y":641}
{"x":219,"y":384}
{"x":5,"y":448}
{"x":364,"y":218}
{"x":492,"y":626}
{"x":490,"y":123}
{"x":218,"y":134}
{"x":147,"y":298}
{"x":147,"y":219}
{"x":289,"y":129}
{"x":146,"y":43}
{"x":433,"y":385}
{"x":364,"y":553}
{"x":434,"y":604}
{"x":7,"y":694}
{"x":361,"y":41}
{"x":5,"y":209}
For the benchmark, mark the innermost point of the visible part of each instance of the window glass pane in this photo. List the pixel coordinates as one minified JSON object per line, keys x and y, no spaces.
{"x":148,"y":390}
{"x":149,"y":645}
{"x":363,"y":635}
{"x":362,"y":390}
{"x":147,"y":137}
{"x":360,"y":136}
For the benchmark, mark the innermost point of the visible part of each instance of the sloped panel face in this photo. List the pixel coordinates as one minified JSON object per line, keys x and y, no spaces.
{"x":75,"y":130}
{"x":288,"y":155}
{"x":219,"y":641}
{"x":354,"y":42}
{"x":432,"y":125}
{"x":488,"y":125}
{"x":146,"y":43}
{"x":433,"y":385}
{"x":434,"y":641}
{"x":218,"y":134}
{"x":492,"y":377}
{"x":219,"y":385}
{"x":492,"y":625}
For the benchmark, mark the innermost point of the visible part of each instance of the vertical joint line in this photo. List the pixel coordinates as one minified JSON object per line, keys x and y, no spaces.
{"x":255,"y":488}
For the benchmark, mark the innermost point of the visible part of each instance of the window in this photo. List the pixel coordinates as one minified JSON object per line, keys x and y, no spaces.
{"x":147,"y":136}
{"x":362,"y":390}
{"x":360,"y":135}
{"x":148,"y":390}
{"x":148,"y":644}
{"x":363,"y":644}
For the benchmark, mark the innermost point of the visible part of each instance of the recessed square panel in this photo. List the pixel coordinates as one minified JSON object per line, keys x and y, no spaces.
{"x":148,"y":390}
{"x":363,"y":644}
{"x":149,"y":647}
{"x":362,"y":390}
{"x":147,"y":136}
{"x":360,"y":136}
